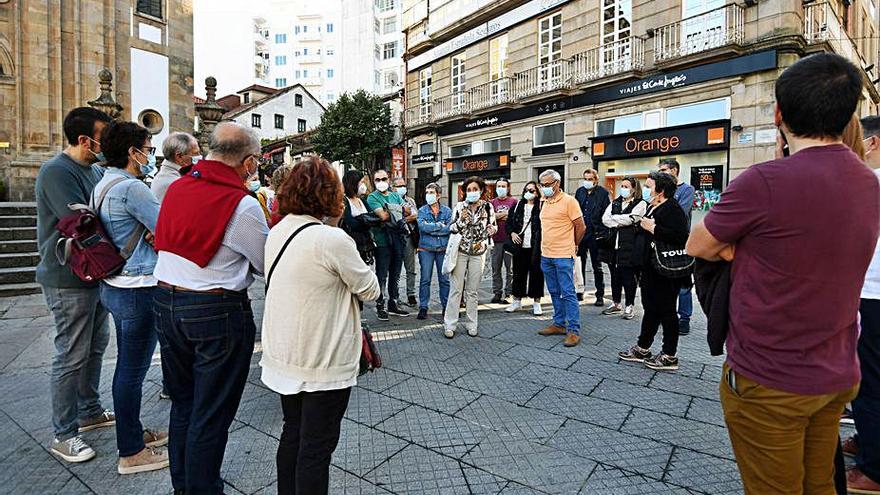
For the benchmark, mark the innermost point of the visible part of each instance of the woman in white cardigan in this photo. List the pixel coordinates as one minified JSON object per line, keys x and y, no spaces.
{"x":311,"y":325}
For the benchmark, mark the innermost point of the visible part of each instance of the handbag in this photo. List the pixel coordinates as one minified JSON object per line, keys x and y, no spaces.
{"x":451,"y":258}
{"x":671,"y":261}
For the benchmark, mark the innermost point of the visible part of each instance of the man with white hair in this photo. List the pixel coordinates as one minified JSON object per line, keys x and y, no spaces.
{"x":180,"y":150}
{"x":562,"y":228}
{"x":211,"y":236}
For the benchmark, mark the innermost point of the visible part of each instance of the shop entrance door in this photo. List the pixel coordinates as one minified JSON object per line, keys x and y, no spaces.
{"x":455,"y":184}
{"x":424,"y":176}
{"x":612,"y":182}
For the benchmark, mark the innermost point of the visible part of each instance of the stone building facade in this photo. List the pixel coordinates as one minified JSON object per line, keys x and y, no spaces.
{"x":50,"y":55}
{"x":517,"y":87}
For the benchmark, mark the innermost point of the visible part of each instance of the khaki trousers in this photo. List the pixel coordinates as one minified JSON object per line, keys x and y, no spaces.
{"x":464,"y":281}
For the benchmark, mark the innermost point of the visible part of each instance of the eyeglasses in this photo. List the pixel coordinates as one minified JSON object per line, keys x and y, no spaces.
{"x":548,"y":184}
{"x":531,"y":191}
{"x":381,"y":179}
{"x":151,"y":150}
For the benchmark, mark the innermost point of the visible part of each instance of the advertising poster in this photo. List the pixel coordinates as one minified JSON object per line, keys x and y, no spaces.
{"x":708,"y":182}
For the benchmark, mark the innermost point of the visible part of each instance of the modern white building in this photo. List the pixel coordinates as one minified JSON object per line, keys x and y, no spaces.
{"x":290,"y":111}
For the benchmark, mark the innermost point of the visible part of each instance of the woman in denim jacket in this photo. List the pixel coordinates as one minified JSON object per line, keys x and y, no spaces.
{"x":433,"y":220}
{"x":129,"y":211}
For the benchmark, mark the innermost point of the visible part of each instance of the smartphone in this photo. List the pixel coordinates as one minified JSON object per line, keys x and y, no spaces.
{"x":785,"y":151}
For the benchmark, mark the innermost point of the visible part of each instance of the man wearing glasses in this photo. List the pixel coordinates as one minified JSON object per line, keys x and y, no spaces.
{"x":389,"y":206}
{"x":562,"y":228}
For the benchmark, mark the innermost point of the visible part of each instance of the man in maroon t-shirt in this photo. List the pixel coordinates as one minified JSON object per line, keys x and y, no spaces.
{"x":801,"y":231}
{"x":503,"y":204}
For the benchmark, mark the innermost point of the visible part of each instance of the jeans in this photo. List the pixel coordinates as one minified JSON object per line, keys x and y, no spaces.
{"x":312,"y":421}
{"x":409,"y":262}
{"x":428,"y":260}
{"x":658,"y":300}
{"x":501,"y":259}
{"x":559,"y":275}
{"x":81,"y":336}
{"x":132,"y":311}
{"x":389,"y":261}
{"x":685,"y":304}
{"x":528,"y":279}
{"x":465,"y":278}
{"x":866,"y":406}
{"x":623,"y":281}
{"x":596,"y":263}
{"x":207,"y":342}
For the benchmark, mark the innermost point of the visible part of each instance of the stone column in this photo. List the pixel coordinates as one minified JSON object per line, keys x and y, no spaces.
{"x":105,"y":101}
{"x":210,"y":114}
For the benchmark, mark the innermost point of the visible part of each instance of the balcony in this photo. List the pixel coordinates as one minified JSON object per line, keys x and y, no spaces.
{"x":419,"y":116}
{"x":492,"y":93}
{"x":821,"y":25}
{"x":452,"y":105}
{"x":714,"y":29}
{"x":309,"y":36}
{"x":547,"y":77}
{"x":308,"y":59}
{"x":311,"y":81}
{"x":611,"y":59}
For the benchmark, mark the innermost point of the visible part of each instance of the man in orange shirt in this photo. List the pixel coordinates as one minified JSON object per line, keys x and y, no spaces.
{"x":562,"y":228}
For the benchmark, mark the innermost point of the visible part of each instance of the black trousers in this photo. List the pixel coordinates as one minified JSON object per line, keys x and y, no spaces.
{"x":527,"y":271}
{"x":623,"y":280}
{"x":659,"y":300}
{"x":596,"y":263}
{"x":311,"y":431}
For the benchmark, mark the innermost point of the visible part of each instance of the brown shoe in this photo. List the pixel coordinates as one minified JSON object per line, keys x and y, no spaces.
{"x":148,"y":459}
{"x":850,"y":447}
{"x":857,"y":482}
{"x":106,"y":418}
{"x":552,"y":330}
{"x":572,"y":339}
{"x":154,"y":438}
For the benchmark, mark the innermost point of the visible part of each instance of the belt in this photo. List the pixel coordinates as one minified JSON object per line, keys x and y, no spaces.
{"x":207,"y":291}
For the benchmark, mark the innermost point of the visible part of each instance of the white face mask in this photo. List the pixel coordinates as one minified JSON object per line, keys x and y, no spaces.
{"x":382,"y":186}
{"x":196,"y":158}
{"x":529,"y":196}
{"x":362,"y":188}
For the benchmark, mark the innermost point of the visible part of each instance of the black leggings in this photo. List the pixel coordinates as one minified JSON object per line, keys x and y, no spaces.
{"x":527,"y":269}
{"x":311,"y":431}
{"x":623,"y":279}
{"x":659,"y":300}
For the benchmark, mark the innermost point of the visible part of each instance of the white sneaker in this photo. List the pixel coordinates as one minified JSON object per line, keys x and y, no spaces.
{"x":537,"y":310}
{"x":449,"y":333}
{"x":473,"y":332}
{"x":515,"y":305}
{"x":629,"y":313}
{"x":73,"y":449}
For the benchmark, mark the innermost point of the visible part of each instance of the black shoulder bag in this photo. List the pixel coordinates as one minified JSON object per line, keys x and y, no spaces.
{"x":670,"y":261}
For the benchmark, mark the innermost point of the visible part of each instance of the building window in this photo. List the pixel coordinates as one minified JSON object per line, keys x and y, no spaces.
{"x":377,"y":25}
{"x":616,"y":24}
{"x":329,"y":27}
{"x":330,"y":52}
{"x":698,"y":112}
{"x":298,"y":74}
{"x":384,"y":5}
{"x":279,"y":121}
{"x":331,"y":97}
{"x":246,"y":98}
{"x":498,"y":57}
{"x":280,"y":59}
{"x":305,"y":28}
{"x":281,"y":38}
{"x":389,"y":25}
{"x":377,"y":52}
{"x":295,"y":29}
{"x":378,"y":76}
{"x":459,"y":150}
{"x":329,"y":73}
{"x":152,"y":8}
{"x":549,"y":135}
{"x":426,"y":147}
{"x":390,"y":80}
{"x":425,"y":92}
{"x":298,"y":100}
{"x":305,"y":51}
{"x":389,"y":50}
{"x":496,"y":145}
{"x":300,"y":125}
{"x":618,"y":125}
{"x":550,"y":48}
{"x":456,"y":73}
{"x":280,"y":82}
{"x":256,"y":120}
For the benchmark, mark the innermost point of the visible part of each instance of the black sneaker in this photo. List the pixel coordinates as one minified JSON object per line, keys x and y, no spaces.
{"x":381,"y":314}
{"x":423,"y":314}
{"x":635,"y":354}
{"x":662,"y":362}
{"x":393,"y":309}
{"x":599,"y":302}
{"x":496,"y":299}
{"x":684,"y":327}
{"x":411,"y":300}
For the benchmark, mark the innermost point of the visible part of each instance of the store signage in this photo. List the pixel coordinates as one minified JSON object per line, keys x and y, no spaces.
{"x":424,"y":158}
{"x":682,"y":139}
{"x":708,"y":182}
{"x":398,"y":162}
{"x":477,"y":163}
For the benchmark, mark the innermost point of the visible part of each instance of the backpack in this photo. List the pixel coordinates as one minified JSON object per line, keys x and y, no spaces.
{"x":84,"y":245}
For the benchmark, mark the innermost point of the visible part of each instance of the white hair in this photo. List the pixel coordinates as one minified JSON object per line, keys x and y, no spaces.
{"x":177,"y":142}
{"x":550,"y":173}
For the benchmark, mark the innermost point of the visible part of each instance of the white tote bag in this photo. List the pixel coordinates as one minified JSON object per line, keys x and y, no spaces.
{"x":451,"y":257}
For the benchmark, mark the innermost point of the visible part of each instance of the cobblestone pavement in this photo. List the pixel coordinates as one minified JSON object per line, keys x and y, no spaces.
{"x":507,"y":412}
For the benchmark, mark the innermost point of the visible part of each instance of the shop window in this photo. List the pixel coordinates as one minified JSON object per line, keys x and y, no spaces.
{"x":496,"y":145}
{"x":426,"y":147}
{"x":549,"y":135}
{"x":459,"y":150}
{"x":698,"y":112}
{"x":618,"y":125}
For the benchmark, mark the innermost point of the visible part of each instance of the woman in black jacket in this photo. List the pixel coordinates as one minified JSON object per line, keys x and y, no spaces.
{"x":357,"y":218}
{"x":524,"y":226}
{"x":623,"y":216}
{"x":664,"y":222}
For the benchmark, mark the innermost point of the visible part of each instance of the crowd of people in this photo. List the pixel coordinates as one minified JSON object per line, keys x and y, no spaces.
{"x":802,"y":332}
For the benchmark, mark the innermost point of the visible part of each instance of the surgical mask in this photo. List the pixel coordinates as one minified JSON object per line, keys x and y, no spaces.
{"x":99,"y":155}
{"x":401,"y":191}
{"x":382,"y":186}
{"x":473,"y":196}
{"x":646,"y":193}
{"x":196,"y":158}
{"x":529,"y":196}
{"x":625,"y":193}
{"x":588,"y":184}
{"x":502,"y":192}
{"x":147,"y":168}
{"x":547,"y":191}
{"x":254,"y":185}
{"x":362,"y":188}
{"x":430,"y":198}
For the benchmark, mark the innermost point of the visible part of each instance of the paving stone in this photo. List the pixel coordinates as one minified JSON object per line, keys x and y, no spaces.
{"x":694,"y":435}
{"x":528,"y":336}
{"x":498,"y":365}
{"x":708,"y":411}
{"x":422,"y":346}
{"x":622,"y":371}
{"x":517,"y":489}
{"x":381,"y":379}
{"x":425,"y":367}
{"x":577,"y":406}
{"x":712,"y":373}
{"x":446,"y":434}
{"x":548,"y":358}
{"x":443,"y":398}
{"x":419,"y":471}
{"x":499,"y":415}
{"x":644,"y":397}
{"x":607,"y":480}
{"x":361,"y":448}
{"x":685,"y":385}
{"x":573,"y":381}
{"x":703,"y":472}
{"x":612,"y":447}
{"x":510,"y":389}
{"x":481,"y":344}
{"x":263,"y":414}
{"x":371,"y":408}
{"x":244,"y":465}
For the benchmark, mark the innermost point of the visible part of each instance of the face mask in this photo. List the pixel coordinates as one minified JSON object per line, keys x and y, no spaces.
{"x":625,"y":193}
{"x":473,"y":196}
{"x":99,"y":155}
{"x":148,"y":167}
{"x":646,"y":193}
{"x":430,"y":198}
{"x":362,"y":188}
{"x":401,"y":191}
{"x":254,"y":185}
{"x":196,"y":158}
{"x":547,"y":191}
{"x":382,"y":186}
{"x":502,"y":191}
{"x":529,"y":196}
{"x":588,"y":184}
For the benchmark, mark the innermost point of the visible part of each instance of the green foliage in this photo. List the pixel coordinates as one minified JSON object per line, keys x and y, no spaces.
{"x":356,"y":129}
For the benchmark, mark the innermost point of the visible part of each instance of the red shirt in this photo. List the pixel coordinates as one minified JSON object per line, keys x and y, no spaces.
{"x":805,"y":227}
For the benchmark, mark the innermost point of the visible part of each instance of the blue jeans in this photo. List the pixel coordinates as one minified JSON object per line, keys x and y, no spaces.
{"x":559,"y":276}
{"x":207,"y":343}
{"x":132,"y":311}
{"x":81,"y":336}
{"x":427,"y":261}
{"x":685,"y":304}
{"x":389,"y":262}
{"x":866,"y":406}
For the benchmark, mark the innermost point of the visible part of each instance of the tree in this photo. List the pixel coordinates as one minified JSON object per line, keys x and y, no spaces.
{"x":356,"y":129}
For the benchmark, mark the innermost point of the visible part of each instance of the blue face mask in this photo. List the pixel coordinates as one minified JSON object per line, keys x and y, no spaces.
{"x":473,"y":196}
{"x":401,"y":191}
{"x":624,"y":193}
{"x":547,"y":191}
{"x":430,"y":198}
{"x":529,"y":196}
{"x":646,"y":193}
{"x":147,"y":168}
{"x":99,"y":155}
{"x":196,"y":158}
{"x":254,"y":185}
{"x":502,"y":192}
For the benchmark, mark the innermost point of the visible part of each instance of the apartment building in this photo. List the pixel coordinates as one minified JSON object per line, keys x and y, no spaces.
{"x":512,"y":88}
